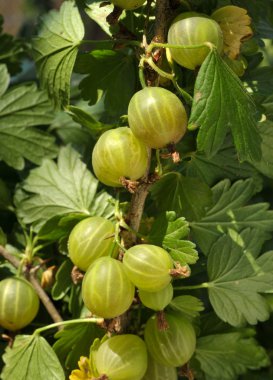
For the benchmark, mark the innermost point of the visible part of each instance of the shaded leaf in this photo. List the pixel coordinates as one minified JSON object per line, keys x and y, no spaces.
{"x":12,"y":50}
{"x":55,"y":50}
{"x":21,"y":108}
{"x":75,"y":341}
{"x":187,"y":305}
{"x":218,"y":91}
{"x":174,"y":192}
{"x":225,"y":356}
{"x":82,"y":115}
{"x":31,"y":357}
{"x":110,"y":73}
{"x":4,"y":79}
{"x":224,"y":164}
{"x":63,"y":281}
{"x":265,"y":165}
{"x":98,"y":14}
{"x":230,"y":210}
{"x":235,"y":25}
{"x":236,"y":280}
{"x":63,"y":188}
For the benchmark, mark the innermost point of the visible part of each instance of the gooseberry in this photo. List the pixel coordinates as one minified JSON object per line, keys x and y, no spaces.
{"x":118,"y":153}
{"x":173,"y":346}
{"x":90,"y":239}
{"x":106,"y":290}
{"x":19,"y":303}
{"x":157,"y":117}
{"x":148,"y":267}
{"x":193,"y":31}
{"x":122,"y":357}
{"x":128,"y":4}
{"x":157,"y":300}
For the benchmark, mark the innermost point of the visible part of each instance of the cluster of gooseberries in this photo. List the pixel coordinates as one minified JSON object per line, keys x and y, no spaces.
{"x":108,"y":290}
{"x":157,"y":119}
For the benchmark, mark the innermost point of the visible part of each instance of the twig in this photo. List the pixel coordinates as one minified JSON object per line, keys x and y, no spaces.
{"x":161,"y":19}
{"x":9,"y":257}
{"x":30,"y":275}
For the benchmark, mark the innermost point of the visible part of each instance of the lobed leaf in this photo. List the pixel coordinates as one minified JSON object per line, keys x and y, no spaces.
{"x":218,"y":91}
{"x":224,"y":164}
{"x":55,"y":50}
{"x":109,"y":73}
{"x":169,"y":232}
{"x":236,"y":280}
{"x":189,"y":306}
{"x":226,"y":356}
{"x":174,"y":192}
{"x":21,"y":108}
{"x":265,"y":165}
{"x":230,"y":210}
{"x":58,"y":189}
{"x":31,"y":357}
{"x":75,"y":341}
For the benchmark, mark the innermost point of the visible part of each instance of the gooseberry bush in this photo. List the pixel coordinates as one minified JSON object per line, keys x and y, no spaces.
{"x":136,"y":193}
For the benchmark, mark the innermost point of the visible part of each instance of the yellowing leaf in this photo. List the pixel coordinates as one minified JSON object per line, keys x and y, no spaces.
{"x":235,"y":24}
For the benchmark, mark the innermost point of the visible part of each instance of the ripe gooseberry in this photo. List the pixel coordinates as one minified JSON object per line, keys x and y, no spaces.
{"x":173,"y":346}
{"x":106,"y":290}
{"x":19,"y":303}
{"x":128,"y":4}
{"x":118,"y":153}
{"x":156,"y":371}
{"x":193,"y":31}
{"x":122,"y":357}
{"x":148,"y":267}
{"x":157,"y":300}
{"x":157,"y":117}
{"x":90,"y":239}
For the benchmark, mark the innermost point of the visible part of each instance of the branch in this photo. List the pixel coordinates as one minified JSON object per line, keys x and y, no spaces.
{"x":9,"y":257}
{"x":30,"y":275}
{"x":161,"y":20}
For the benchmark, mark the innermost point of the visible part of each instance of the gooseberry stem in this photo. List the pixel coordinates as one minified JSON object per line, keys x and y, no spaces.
{"x":158,"y":70}
{"x":159,"y":165}
{"x":192,"y":287}
{"x":171,"y":46}
{"x":65,"y":323}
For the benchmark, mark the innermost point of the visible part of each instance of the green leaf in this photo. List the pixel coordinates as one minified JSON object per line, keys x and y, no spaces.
{"x":4,"y":79}
{"x":21,"y":108}
{"x":226,"y":356}
{"x":169,"y":231}
{"x":82,"y":115}
{"x":75,"y":341}
{"x":110,"y":73}
{"x":5,"y":196}
{"x":187,"y":305}
{"x":31,"y":357}
{"x":174,"y":192}
{"x":63,"y":280}
{"x":265,"y":165}
{"x":3,"y":237}
{"x":63,"y":188}
{"x":55,"y":50}
{"x":12,"y":50}
{"x":230,"y":210}
{"x":236,"y":280}
{"x":98,"y":14}
{"x":260,"y":81}
{"x":224,"y":164}
{"x":221,"y":102}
